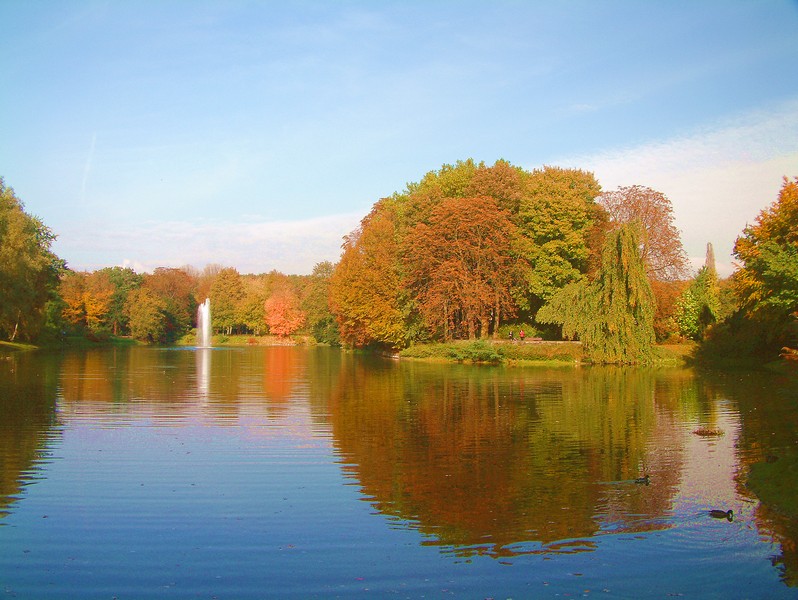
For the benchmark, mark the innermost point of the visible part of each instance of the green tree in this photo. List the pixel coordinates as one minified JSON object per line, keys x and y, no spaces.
{"x":226,"y":293}
{"x":146,"y":312}
{"x":558,"y":217}
{"x":124,"y":280}
{"x":767,"y":282}
{"x":29,"y":270}
{"x":249,"y":311}
{"x":316,"y":304}
{"x":699,"y":306}
{"x":612,"y":314}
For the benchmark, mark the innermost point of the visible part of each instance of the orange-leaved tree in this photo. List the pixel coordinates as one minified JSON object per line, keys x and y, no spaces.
{"x":283,"y":315}
{"x":365,"y":288}
{"x":461,"y":267}
{"x":767,"y":282}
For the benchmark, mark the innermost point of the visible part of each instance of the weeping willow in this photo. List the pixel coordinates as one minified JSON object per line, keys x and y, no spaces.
{"x":613,"y":314}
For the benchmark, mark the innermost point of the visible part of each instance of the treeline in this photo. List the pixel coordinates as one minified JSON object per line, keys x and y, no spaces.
{"x":475,"y":251}
{"x":161,"y":307}
{"x":42,"y":300}
{"x":470,"y":251}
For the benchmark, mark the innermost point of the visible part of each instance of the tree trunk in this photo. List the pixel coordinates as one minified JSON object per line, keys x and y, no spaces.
{"x":16,"y":326}
{"x":496,"y":318}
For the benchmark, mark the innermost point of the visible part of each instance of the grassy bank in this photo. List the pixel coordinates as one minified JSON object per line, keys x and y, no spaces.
{"x":495,"y":352}
{"x":507,"y":352}
{"x":190,"y":339}
{"x":15,"y":347}
{"x":71,"y":341}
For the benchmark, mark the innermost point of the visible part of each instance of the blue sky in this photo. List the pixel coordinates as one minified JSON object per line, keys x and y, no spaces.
{"x":257,"y":134}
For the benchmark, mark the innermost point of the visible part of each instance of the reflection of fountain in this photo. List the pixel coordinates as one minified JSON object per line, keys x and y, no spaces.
{"x":203,"y":374}
{"x":204,"y":332}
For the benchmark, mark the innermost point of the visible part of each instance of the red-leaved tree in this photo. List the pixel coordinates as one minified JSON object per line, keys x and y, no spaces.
{"x":283,"y":315}
{"x":461,"y":267}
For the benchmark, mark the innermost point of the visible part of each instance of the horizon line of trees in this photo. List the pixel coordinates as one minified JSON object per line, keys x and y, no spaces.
{"x":470,"y":251}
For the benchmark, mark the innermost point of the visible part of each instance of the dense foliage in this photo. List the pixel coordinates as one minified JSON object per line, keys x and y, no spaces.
{"x":468,"y":252}
{"x":699,"y":305}
{"x":160,"y":307}
{"x":29,"y":270}
{"x":464,"y":249}
{"x":613,"y":314}
{"x":766,"y":285}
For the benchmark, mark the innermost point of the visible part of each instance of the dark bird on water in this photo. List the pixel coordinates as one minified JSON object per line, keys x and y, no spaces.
{"x":722,"y":514}
{"x":645,"y":480}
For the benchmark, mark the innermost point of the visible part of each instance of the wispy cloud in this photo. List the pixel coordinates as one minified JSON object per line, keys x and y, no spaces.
{"x":251,"y":247}
{"x":718,"y":179}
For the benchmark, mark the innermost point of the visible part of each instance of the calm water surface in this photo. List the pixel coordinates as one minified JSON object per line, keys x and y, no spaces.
{"x":294,"y":472}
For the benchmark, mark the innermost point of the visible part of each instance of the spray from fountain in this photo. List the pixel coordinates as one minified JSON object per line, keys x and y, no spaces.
{"x":204,"y":332}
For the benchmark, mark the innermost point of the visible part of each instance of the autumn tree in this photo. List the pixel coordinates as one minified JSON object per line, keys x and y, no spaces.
{"x":662,"y":250}
{"x":461,"y":267}
{"x":176,"y":288}
{"x":29,"y":270}
{"x":667,"y":295}
{"x":613,"y":313}
{"x":205,"y":280}
{"x":97,"y":299}
{"x":767,"y":282}
{"x":366,"y":292}
{"x":72,"y":289}
{"x":283,"y":314}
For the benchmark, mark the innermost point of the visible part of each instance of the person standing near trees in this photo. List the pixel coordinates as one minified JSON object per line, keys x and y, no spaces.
{"x":522,"y":335}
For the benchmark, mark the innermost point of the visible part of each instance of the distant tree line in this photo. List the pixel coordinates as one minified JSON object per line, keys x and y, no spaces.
{"x":470,"y":251}
{"x":161,"y":306}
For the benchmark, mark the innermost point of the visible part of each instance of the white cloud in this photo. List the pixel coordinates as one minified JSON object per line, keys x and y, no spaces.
{"x":292,"y":247}
{"x":718,"y":179}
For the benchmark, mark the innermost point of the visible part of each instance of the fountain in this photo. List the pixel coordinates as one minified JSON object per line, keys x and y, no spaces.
{"x":204,"y":331}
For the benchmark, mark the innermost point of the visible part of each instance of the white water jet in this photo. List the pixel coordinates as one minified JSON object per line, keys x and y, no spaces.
{"x":204,"y":331}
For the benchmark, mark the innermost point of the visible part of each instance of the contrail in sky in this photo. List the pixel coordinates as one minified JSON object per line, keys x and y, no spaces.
{"x":87,"y":167}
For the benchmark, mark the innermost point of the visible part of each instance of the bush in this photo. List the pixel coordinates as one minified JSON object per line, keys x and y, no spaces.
{"x":478,"y":351}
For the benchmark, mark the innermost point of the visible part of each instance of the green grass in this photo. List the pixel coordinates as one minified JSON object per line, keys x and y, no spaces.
{"x":507,"y":352}
{"x":190,"y":339}
{"x":495,"y":352}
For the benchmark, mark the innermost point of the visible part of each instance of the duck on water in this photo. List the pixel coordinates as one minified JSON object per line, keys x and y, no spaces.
{"x":722,"y":514}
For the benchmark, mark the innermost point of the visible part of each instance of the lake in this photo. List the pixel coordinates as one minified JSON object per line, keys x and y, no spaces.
{"x":293,"y":472}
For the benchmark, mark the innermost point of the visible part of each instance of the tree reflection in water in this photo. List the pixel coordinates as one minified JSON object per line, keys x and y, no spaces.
{"x":481,"y":460}
{"x":503,"y":462}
